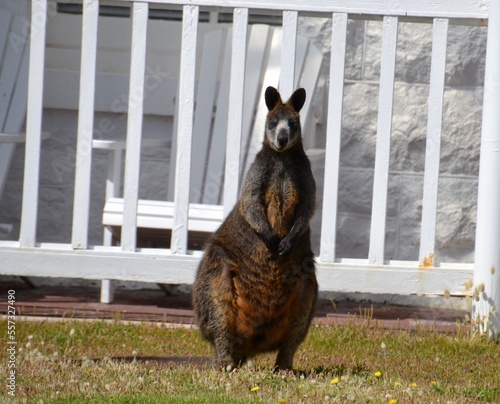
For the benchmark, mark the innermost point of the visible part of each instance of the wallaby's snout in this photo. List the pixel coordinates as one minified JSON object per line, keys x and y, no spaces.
{"x":283,"y":138}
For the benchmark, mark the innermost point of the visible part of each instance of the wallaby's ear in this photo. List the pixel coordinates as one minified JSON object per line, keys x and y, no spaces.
{"x":297,"y":99}
{"x":272,"y":97}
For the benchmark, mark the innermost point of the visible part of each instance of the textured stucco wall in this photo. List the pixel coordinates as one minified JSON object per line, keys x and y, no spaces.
{"x":459,"y":154}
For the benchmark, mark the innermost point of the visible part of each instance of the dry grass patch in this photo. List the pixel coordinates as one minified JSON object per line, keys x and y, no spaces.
{"x":102,"y":362}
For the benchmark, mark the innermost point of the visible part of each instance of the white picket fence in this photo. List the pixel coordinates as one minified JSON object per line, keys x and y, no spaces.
{"x":78,"y":259}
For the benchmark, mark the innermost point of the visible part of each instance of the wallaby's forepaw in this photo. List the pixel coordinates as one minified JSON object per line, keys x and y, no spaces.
{"x":273,"y":242}
{"x":285,"y":247}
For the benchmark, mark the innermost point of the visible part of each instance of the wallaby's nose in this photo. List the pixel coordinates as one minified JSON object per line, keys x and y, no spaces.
{"x":282,"y":138}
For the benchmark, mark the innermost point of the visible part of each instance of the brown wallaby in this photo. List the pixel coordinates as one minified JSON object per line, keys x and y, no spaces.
{"x":256,"y":289}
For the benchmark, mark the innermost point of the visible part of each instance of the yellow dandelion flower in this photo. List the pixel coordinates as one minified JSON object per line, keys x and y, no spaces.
{"x":335,"y":381}
{"x":256,"y":388}
{"x":282,"y":401}
{"x":434,"y":383}
{"x":392,"y":401}
{"x":413,"y":384}
{"x":377,"y":374}
{"x":397,"y":384}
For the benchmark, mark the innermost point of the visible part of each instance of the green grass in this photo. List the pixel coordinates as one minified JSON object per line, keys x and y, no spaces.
{"x":76,"y":362}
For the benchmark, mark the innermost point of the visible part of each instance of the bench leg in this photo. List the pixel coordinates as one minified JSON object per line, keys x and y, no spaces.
{"x":107,"y":291}
{"x":112,"y":190}
{"x":107,"y":285}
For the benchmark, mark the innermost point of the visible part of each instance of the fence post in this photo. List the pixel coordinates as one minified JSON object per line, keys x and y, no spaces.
{"x":486,"y":301}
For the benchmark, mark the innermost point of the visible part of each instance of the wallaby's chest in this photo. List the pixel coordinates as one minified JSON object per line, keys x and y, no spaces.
{"x":280,"y":200}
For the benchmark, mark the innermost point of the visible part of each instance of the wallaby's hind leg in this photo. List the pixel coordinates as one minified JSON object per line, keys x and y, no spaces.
{"x":298,"y":331}
{"x":225,"y":357}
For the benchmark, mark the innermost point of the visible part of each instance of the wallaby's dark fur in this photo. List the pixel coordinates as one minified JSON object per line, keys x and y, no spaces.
{"x":255,"y":290}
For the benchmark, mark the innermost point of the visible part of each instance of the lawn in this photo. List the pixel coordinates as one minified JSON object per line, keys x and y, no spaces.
{"x":115,"y":362}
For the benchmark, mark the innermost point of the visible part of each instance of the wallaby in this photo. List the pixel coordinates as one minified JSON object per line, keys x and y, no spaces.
{"x":255,"y":289}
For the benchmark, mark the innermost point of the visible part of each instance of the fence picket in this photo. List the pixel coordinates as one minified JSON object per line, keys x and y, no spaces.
{"x":334,"y":131}
{"x":382,"y":154}
{"x":85,"y":125}
{"x":33,"y":125}
{"x":212,"y":190}
{"x":205,"y":103}
{"x":184,"y":128}
{"x":134,"y":126}
{"x":235,"y":114}
{"x":433,"y":144}
{"x":288,"y":51}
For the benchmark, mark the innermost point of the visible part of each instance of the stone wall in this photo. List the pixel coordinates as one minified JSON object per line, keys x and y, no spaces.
{"x":459,"y":152}
{"x":456,"y":216}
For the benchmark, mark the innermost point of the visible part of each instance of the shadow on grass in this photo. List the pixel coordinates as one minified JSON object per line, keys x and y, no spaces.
{"x":199,"y":361}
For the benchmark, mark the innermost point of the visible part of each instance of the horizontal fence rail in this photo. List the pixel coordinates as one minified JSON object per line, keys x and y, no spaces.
{"x":375,"y":274}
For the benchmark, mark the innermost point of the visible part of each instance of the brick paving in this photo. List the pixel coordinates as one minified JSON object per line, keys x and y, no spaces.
{"x":82,"y":302}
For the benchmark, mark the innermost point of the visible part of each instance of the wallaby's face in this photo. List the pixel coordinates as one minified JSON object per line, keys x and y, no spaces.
{"x":283,"y":120}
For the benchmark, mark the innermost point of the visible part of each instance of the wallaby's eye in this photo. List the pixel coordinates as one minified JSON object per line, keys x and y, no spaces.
{"x":293,"y":124}
{"x":273,"y":123}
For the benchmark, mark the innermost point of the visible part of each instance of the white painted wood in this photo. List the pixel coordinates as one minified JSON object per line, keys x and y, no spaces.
{"x":382,"y":154}
{"x":107,"y":291}
{"x":309,"y":80}
{"x":111,"y":92}
{"x":5,"y":18}
{"x":212,"y":184}
{"x":418,"y":8}
{"x":204,"y":109}
{"x":486,"y":311}
{"x":333,"y":134}
{"x":433,"y":143}
{"x":113,"y":183}
{"x":288,"y":50}
{"x":185,"y":128}
{"x":236,"y":105}
{"x":113,"y":186}
{"x":134,"y":125}
{"x":153,"y":266}
{"x":122,"y":144}
{"x":254,"y":71}
{"x":33,"y":126}
{"x":17,"y":111}
{"x":113,"y":60}
{"x":9,"y":72}
{"x":271,"y":78}
{"x":85,"y":126}
{"x":160,"y":215}
{"x":13,"y":90}
{"x":6,"y":154}
{"x":20,"y":137}
{"x":302,"y":48}
{"x":405,"y":279}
